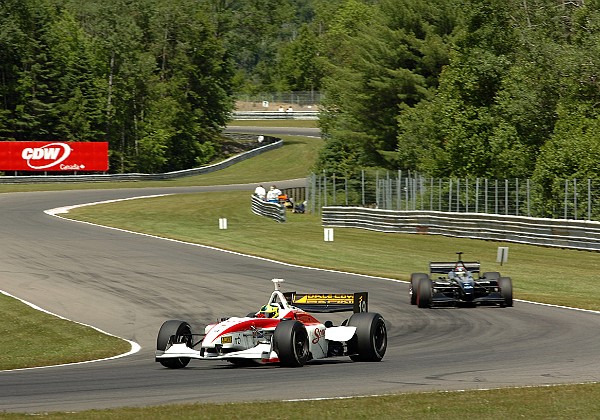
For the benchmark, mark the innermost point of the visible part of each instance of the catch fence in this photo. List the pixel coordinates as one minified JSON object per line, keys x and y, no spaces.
{"x":269,"y":101}
{"x":573,"y":199}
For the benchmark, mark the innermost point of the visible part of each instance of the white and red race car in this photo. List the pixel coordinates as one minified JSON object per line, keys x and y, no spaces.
{"x":282,"y":332}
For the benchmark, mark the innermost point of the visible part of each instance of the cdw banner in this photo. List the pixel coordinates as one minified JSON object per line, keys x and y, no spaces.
{"x":53,"y":156}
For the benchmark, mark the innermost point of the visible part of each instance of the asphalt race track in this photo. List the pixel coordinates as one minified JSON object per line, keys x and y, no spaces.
{"x":128,"y":284}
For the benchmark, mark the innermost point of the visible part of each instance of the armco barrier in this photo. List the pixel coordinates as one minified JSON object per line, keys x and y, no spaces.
{"x":38,"y":179}
{"x":576,"y":234}
{"x":276,"y":115}
{"x":273,"y":211}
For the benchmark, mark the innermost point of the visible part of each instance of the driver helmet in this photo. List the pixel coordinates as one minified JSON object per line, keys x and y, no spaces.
{"x":269,"y":311}
{"x":460,"y":272}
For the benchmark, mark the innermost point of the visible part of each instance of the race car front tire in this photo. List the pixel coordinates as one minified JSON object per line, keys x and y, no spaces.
{"x":414,"y":285}
{"x":424,"y":293}
{"x":505,"y":285}
{"x":370,"y":339}
{"x":182,"y":333}
{"x":290,"y":342}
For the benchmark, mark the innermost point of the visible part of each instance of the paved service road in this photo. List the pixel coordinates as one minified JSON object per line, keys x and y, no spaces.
{"x":129,"y":284}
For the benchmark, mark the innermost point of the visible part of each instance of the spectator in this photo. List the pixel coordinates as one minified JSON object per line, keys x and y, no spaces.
{"x":288,"y":203}
{"x":260,"y":192}
{"x":300,"y":208}
{"x":273,"y":194}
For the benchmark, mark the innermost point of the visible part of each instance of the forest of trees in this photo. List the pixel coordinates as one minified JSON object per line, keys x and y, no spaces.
{"x":461,"y":88}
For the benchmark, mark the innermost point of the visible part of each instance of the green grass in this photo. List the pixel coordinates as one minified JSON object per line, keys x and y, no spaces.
{"x":537,"y":274}
{"x":560,"y":402}
{"x":70,"y":342}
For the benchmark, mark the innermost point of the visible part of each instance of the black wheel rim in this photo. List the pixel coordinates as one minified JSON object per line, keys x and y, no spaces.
{"x":380,"y":338}
{"x":300,"y":345}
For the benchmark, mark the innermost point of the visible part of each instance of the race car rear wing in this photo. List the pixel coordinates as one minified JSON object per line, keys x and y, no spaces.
{"x":445,"y":267}
{"x":329,"y":302}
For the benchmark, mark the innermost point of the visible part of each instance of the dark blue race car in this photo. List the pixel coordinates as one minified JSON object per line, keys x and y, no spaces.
{"x":459,"y":283}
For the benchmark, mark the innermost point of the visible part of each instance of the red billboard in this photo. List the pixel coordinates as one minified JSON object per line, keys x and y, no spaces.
{"x":53,"y":156}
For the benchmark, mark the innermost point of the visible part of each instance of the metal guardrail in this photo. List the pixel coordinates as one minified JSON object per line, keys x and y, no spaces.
{"x":273,"y":211}
{"x":562,"y":233}
{"x":40,"y":179}
{"x":276,"y":115}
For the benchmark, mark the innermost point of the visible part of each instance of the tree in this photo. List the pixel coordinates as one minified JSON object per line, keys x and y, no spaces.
{"x":383,"y":63}
{"x":37,"y":84}
{"x":300,"y":68}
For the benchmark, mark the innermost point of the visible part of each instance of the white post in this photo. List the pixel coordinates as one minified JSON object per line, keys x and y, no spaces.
{"x":222,"y":223}
{"x":328,"y":234}
{"x":502,"y":255}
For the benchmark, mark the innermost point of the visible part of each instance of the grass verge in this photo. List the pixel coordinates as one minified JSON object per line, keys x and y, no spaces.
{"x":560,"y":402}
{"x":55,"y":340}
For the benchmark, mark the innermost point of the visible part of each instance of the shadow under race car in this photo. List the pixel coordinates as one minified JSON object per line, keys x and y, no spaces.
{"x":281,"y":332}
{"x":453,"y":284}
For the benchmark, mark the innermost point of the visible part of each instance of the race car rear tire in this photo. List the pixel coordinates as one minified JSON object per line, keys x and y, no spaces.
{"x":505,"y":285}
{"x":370,"y":339}
{"x":290,"y":342}
{"x":183,"y":334}
{"x":424,"y":293}
{"x":414,"y":285}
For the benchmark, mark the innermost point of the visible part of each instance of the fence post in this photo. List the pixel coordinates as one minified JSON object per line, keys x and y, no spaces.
{"x":528,"y":199}
{"x":377,"y":193}
{"x":589,"y":199}
{"x":440,"y":195}
{"x":516,"y":196}
{"x":414,"y":192}
{"x":399,"y":191}
{"x":346,"y":188}
{"x":575,"y":198}
{"x":362,"y":185}
{"x":477,"y":195}
{"x":389,"y":202}
{"x":318,"y":182}
{"x":314,"y":193}
{"x":486,"y":195}
{"x":566,"y":194}
{"x":324,"y":189}
{"x":450,"y":194}
{"x":458,"y":195}
{"x":431,"y":194}
{"x":506,"y":196}
{"x":467,"y":194}
{"x":496,"y":197}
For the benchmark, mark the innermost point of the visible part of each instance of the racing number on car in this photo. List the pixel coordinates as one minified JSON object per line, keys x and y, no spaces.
{"x":362,"y":304}
{"x":238,"y":340}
